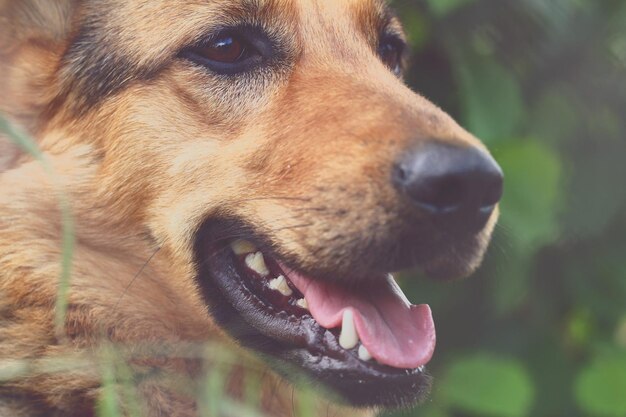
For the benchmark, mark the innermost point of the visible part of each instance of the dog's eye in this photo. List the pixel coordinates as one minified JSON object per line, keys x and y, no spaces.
{"x":228,"y":53}
{"x":391,"y":52}
{"x":227,"y":50}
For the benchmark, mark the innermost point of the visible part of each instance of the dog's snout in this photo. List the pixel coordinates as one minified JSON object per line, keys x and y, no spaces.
{"x":458,"y":186}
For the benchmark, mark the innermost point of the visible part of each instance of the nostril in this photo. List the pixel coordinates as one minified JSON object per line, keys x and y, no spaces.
{"x":400,"y":174}
{"x":438,"y":194}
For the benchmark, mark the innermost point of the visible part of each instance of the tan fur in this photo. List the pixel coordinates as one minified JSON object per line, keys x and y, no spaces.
{"x":9,"y":153}
{"x":144,"y":167}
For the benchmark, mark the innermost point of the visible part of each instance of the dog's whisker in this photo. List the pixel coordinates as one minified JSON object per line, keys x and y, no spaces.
{"x":269,"y":198}
{"x":137,"y":275}
{"x":505,"y":230}
{"x":311,"y":209}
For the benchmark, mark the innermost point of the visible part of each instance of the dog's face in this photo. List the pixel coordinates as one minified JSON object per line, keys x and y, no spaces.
{"x":272,"y":147}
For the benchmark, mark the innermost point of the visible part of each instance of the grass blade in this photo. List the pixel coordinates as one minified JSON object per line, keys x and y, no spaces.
{"x":29,"y":146}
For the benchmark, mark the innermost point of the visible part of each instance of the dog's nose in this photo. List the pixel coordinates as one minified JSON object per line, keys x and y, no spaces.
{"x":458,"y":186}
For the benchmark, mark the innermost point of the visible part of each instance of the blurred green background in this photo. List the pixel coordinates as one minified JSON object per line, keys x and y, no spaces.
{"x":540,"y":330}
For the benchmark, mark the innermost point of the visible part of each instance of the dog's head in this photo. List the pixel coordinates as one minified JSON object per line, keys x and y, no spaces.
{"x":272,"y":146}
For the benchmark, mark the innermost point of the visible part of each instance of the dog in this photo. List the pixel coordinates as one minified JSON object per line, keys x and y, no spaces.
{"x":242,"y":172}
{"x":8,"y":154}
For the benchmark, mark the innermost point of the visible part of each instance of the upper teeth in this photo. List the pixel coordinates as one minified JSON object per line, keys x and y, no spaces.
{"x":348,"y":338}
{"x":242,"y":247}
{"x":256,"y":263}
{"x":280,"y":284}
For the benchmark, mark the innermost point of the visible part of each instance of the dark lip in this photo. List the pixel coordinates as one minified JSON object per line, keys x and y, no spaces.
{"x":296,"y":346}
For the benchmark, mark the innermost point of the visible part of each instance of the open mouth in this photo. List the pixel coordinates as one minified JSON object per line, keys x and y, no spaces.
{"x":368,"y":344}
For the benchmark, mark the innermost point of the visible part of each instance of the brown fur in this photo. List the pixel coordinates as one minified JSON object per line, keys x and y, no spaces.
{"x":145,"y":164}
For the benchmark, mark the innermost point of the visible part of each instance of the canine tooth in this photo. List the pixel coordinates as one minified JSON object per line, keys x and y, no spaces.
{"x":280,"y":284}
{"x":302,"y":303}
{"x":256,"y":262}
{"x":348,"y":338}
{"x":364,"y":354}
{"x":242,"y":247}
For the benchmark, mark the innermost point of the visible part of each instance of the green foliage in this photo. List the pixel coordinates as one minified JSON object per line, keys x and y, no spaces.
{"x":601,"y":387}
{"x":530,"y":209}
{"x":533,"y":193}
{"x":443,"y":7}
{"x":416,"y":25}
{"x":543,"y":84}
{"x":491,"y":99}
{"x":488,"y":386}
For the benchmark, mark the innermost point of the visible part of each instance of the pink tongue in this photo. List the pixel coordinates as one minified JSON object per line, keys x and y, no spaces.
{"x":395,"y":332}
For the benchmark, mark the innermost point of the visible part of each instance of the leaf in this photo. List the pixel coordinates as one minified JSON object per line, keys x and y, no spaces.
{"x":416,"y":25}
{"x":555,"y":105}
{"x":533,"y":194}
{"x":441,"y":8}
{"x":601,"y":387}
{"x":491,"y":99}
{"x":488,"y":386}
{"x":429,"y":409}
{"x":532,"y":201}
{"x":510,"y":286}
{"x":595,"y":178}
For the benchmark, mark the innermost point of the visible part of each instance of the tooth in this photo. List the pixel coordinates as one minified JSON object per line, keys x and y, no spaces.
{"x":280,"y":284}
{"x":302,"y":303}
{"x":256,"y":263}
{"x":242,"y":247}
{"x":364,"y":354}
{"x":348,"y":337}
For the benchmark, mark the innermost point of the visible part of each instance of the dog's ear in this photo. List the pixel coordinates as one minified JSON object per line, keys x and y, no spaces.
{"x":35,"y":18}
{"x":33,"y":37}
